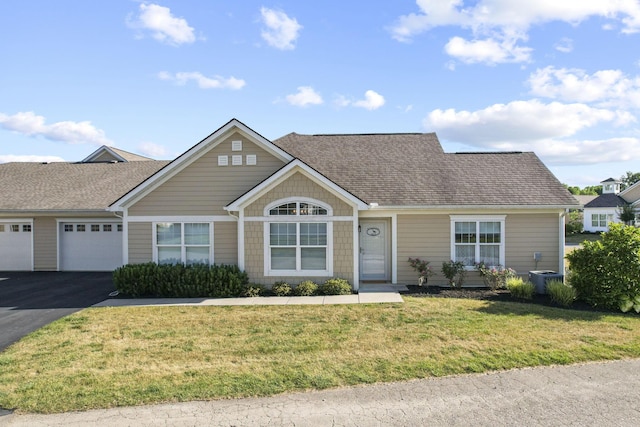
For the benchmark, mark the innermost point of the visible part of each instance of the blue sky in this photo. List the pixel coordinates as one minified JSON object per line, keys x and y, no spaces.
{"x":560,"y":78}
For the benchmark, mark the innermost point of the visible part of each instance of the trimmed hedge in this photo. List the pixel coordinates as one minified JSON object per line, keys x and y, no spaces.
{"x":179,"y":281}
{"x":335,"y":286}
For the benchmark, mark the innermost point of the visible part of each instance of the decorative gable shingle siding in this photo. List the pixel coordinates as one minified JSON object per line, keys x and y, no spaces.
{"x":297,"y":187}
{"x":204,"y":188}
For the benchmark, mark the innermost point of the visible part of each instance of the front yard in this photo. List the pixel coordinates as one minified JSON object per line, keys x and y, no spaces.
{"x":106,"y":357}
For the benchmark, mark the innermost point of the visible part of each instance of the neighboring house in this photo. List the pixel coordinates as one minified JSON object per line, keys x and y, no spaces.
{"x":605,"y":208}
{"x":302,"y":206}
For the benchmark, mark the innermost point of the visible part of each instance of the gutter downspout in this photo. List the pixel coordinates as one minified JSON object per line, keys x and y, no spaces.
{"x":561,"y":227}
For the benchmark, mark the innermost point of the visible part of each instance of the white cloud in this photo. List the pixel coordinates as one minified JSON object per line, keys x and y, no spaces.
{"x":151,"y":150}
{"x":547,"y":129}
{"x":163,"y":26}
{"x":605,"y":87}
{"x":305,"y":96}
{"x":372,"y":101}
{"x":27,"y":123}
{"x":203,"y":82}
{"x":565,"y":45}
{"x":281,"y":31}
{"x":29,"y":158}
{"x":489,"y":51}
{"x":495,"y":22}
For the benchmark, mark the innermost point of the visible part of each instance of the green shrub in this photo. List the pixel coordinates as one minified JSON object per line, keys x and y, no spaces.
{"x":519,"y":288}
{"x":281,"y":289}
{"x":306,"y":288}
{"x":494,"y":277}
{"x":606,"y":273}
{"x":254,"y":290}
{"x":560,"y":293}
{"x":455,"y":272}
{"x":179,"y":281}
{"x":335,"y":287}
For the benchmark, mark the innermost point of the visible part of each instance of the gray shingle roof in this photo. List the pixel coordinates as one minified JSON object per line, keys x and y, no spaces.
{"x":608,"y":200}
{"x":69,"y":186}
{"x":413,"y":170}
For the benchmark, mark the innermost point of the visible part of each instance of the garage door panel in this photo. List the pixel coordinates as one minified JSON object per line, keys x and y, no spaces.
{"x":15,"y":246}
{"x":90,"y":246}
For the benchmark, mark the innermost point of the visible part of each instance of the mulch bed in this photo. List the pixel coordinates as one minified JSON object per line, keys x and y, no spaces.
{"x":487,"y":294}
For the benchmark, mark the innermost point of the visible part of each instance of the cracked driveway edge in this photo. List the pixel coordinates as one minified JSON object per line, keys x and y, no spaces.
{"x":593,"y":394}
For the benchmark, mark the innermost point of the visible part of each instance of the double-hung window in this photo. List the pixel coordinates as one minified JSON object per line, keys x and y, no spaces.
{"x":297,"y":240}
{"x":601,"y":220}
{"x":477,"y":239}
{"x":183,"y":243}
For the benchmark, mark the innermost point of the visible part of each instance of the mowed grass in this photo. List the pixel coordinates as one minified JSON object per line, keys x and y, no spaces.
{"x":107,"y":357}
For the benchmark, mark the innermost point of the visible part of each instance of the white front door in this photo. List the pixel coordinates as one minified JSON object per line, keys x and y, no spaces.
{"x":374,"y":250}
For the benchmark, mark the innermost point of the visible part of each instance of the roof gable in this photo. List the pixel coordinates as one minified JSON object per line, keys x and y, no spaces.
{"x":284,"y":173}
{"x":194,"y":153}
{"x":113,"y":154}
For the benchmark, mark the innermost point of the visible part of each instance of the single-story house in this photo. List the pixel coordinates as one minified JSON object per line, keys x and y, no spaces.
{"x":299,"y":207}
{"x":605,"y":209}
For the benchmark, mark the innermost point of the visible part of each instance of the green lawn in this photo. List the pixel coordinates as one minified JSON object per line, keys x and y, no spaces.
{"x":576,"y":239}
{"x":107,"y":357}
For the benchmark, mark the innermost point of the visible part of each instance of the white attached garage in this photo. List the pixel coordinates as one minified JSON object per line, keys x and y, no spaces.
{"x":16,"y":243}
{"x":89,"y":245}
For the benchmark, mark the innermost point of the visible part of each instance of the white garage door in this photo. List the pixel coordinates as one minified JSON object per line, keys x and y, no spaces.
{"x":90,"y":246}
{"x":15,"y":246}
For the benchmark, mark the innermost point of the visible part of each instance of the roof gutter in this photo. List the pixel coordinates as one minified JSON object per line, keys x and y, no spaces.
{"x":373,"y":206}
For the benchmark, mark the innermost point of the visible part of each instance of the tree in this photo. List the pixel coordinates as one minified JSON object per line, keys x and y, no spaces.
{"x":626,"y":214}
{"x":606,"y":273}
{"x":629,"y":179}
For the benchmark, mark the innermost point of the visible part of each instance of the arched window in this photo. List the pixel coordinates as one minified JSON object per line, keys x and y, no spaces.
{"x":298,"y":238}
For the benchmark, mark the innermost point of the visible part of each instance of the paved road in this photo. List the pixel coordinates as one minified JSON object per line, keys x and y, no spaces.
{"x":596,"y":394}
{"x":29,"y":301}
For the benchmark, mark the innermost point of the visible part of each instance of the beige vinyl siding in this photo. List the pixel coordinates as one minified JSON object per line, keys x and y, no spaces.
{"x":633,"y":195}
{"x":105,"y":156}
{"x":225,"y":241}
{"x":428,"y":237}
{"x":298,"y":185}
{"x":425,"y":237}
{"x":45,"y":238}
{"x":203,"y":187}
{"x":529,"y":233}
{"x":140,"y":242}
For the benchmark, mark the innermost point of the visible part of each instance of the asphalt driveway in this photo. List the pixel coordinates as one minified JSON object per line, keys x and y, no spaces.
{"x":31,"y":300}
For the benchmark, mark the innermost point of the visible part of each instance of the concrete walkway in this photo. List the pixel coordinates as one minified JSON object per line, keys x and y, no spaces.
{"x":595,"y":394}
{"x":361,"y":298}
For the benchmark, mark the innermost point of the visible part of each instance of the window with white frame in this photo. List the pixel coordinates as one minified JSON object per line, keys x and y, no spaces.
{"x":298,"y":241}
{"x":601,"y":220}
{"x":477,"y":239}
{"x":183,"y":243}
